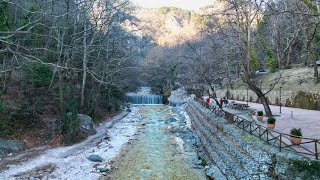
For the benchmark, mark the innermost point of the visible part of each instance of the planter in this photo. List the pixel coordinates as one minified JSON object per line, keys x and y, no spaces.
{"x":259,"y":118}
{"x":295,"y":140}
{"x":271,"y":126}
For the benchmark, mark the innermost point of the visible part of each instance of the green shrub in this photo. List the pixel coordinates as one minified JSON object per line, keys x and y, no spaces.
{"x":271,"y":120}
{"x":203,"y":161}
{"x":260,"y":113}
{"x":24,"y":116}
{"x":6,"y":127}
{"x":2,"y":107}
{"x":40,"y":75}
{"x":296,"y":132}
{"x":69,"y":129}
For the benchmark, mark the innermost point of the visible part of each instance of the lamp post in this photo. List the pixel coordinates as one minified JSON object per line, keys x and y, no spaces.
{"x":247,"y":96}
{"x":228,"y":91}
{"x":280,"y":100}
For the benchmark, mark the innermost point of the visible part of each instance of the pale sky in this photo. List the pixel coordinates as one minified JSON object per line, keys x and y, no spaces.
{"x":185,"y":4}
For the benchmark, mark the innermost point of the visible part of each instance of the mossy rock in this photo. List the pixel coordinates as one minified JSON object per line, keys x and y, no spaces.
{"x":277,"y":101}
{"x":257,"y":100}
{"x":305,"y":169}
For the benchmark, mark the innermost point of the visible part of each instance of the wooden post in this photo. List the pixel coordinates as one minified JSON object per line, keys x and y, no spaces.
{"x":280,"y":142}
{"x":243,"y":125}
{"x":316,"y":149}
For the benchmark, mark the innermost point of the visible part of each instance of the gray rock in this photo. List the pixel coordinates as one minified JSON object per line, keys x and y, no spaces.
{"x":170,"y":120}
{"x":215,"y":173}
{"x":199,"y":162}
{"x":10,"y":146}
{"x":197,"y":167}
{"x":95,"y":158}
{"x":102,"y":169}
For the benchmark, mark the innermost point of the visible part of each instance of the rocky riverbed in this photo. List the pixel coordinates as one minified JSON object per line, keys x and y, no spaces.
{"x":163,"y":149}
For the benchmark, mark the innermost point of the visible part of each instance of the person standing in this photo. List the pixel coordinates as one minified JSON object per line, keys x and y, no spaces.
{"x":208,"y":100}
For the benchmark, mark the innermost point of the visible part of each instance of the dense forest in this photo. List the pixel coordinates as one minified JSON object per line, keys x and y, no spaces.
{"x":60,"y":57}
{"x":69,"y":57}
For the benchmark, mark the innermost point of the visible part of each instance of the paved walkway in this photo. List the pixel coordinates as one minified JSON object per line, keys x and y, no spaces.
{"x":307,"y":120}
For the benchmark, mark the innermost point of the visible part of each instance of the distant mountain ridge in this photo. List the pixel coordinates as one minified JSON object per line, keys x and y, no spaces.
{"x":169,"y":25}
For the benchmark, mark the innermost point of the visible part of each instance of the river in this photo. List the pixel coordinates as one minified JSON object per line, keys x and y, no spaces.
{"x":159,"y":151}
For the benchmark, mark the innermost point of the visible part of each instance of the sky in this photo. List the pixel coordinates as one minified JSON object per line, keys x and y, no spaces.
{"x":185,"y":4}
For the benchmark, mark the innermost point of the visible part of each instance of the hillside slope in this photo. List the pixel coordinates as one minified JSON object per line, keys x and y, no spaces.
{"x":298,"y":88}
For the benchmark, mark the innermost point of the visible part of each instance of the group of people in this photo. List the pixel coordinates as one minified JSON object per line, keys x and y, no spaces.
{"x":222,"y":101}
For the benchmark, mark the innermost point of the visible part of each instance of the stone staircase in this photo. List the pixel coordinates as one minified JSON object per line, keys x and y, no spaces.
{"x":237,"y":155}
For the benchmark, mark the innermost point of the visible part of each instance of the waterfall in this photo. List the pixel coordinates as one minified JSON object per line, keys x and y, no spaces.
{"x":144,"y":97}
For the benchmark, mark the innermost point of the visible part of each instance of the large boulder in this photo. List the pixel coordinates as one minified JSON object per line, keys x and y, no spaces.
{"x":178,"y":97}
{"x":86,"y":125}
{"x":10,"y":146}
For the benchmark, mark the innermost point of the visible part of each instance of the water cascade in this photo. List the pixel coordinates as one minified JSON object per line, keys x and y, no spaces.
{"x":144,"y":97}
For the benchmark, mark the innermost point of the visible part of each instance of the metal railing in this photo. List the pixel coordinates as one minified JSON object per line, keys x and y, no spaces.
{"x":308,"y":146}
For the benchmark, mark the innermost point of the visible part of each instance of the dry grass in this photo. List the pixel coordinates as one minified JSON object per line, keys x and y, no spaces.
{"x":295,"y":79}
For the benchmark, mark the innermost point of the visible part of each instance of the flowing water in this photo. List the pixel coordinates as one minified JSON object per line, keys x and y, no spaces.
{"x":158,"y":153}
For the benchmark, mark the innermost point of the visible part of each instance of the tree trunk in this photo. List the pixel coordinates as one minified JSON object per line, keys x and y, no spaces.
{"x":61,"y":102}
{"x":288,"y":55}
{"x":315,"y":65}
{"x":84,"y":67}
{"x":248,"y":48}
{"x":261,"y":96}
{"x":265,"y":104}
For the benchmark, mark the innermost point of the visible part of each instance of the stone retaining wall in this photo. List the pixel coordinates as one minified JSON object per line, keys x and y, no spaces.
{"x":238,"y":155}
